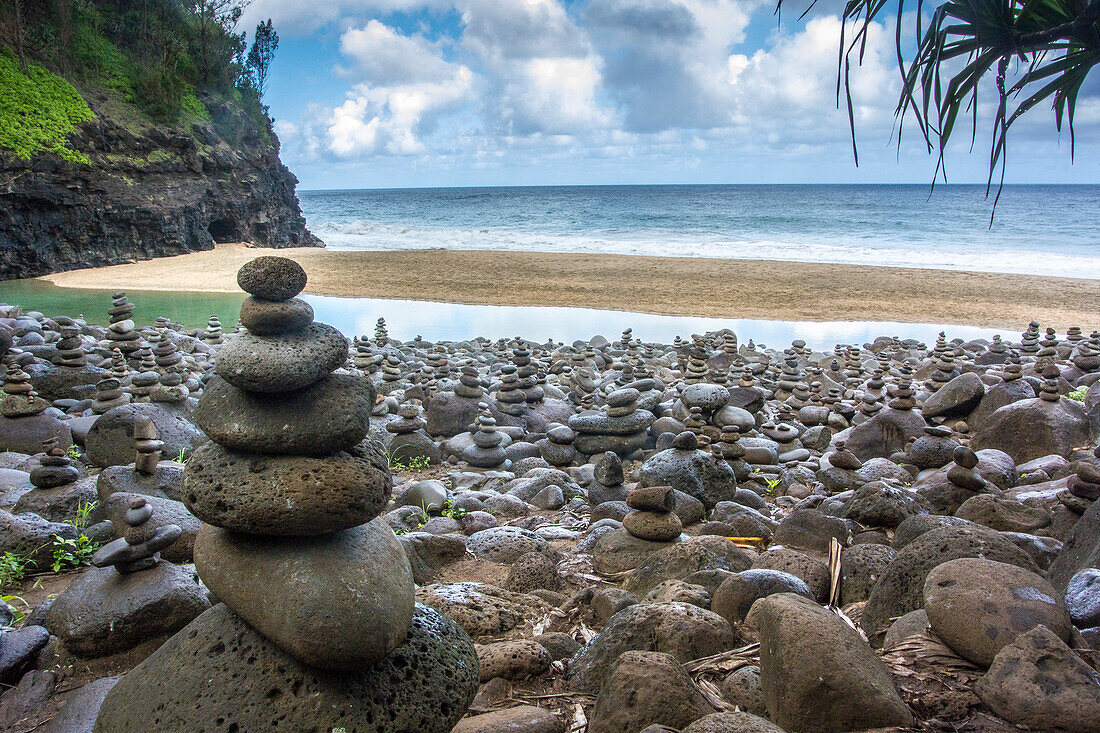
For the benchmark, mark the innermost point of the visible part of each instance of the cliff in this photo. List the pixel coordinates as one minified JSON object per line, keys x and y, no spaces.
{"x":145,"y":193}
{"x":132,"y":129}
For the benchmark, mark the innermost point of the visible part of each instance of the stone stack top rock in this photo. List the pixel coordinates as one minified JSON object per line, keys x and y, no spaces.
{"x":272,"y":278}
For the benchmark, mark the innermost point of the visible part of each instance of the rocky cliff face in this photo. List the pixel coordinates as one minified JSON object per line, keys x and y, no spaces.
{"x":149,"y":192}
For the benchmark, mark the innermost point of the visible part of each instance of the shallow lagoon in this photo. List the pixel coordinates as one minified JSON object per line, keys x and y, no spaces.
{"x":406,"y":319}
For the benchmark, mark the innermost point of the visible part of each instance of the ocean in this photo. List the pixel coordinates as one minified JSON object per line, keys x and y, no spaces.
{"x":1038,"y":229}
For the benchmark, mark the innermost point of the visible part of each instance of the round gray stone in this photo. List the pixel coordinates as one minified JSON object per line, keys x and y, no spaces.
{"x":281,"y":363}
{"x":326,"y":417}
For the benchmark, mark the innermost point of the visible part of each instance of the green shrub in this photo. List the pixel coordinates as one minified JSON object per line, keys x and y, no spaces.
{"x":193,"y":105}
{"x":38,"y":111}
{"x":100,"y":61}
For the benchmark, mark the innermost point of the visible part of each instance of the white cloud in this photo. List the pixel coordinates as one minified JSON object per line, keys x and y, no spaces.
{"x":405,"y":86}
{"x":790,"y":89}
{"x":385,"y":57}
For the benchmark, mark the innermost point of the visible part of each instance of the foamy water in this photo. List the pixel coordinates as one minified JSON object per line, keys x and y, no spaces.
{"x":1037,"y":229}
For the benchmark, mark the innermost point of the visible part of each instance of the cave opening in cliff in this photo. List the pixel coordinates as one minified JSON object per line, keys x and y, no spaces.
{"x":223,"y":230}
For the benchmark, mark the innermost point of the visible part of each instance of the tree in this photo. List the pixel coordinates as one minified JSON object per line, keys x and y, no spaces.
{"x":261,"y":54}
{"x":1055,"y":43}
{"x":216,"y":42}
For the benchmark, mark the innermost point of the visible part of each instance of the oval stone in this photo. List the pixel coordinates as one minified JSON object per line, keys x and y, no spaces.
{"x":339,"y":601}
{"x":266,"y":317}
{"x":272,"y":278}
{"x":329,"y":416}
{"x":286,"y":495}
{"x":281,"y":363}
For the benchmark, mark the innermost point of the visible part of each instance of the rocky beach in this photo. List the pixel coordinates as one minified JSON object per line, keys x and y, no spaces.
{"x":232,"y":526}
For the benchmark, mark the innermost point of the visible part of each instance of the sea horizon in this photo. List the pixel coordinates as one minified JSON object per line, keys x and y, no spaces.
{"x":1034,"y":230}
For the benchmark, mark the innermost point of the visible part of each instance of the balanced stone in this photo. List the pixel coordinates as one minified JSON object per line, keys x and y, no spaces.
{"x":328,"y":416}
{"x":340,"y":601}
{"x":140,"y":542}
{"x":286,"y":495}
{"x":266,"y":317}
{"x":283,"y":362}
{"x":272,"y":278}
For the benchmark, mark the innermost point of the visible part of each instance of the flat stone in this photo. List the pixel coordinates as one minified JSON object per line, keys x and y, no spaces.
{"x":81,"y":707}
{"x":105,"y":612}
{"x":220,"y":674}
{"x":284,"y":362}
{"x":326,"y":417}
{"x":339,"y":601}
{"x":286,"y":495}
{"x":266,"y":317}
{"x":522,"y":719}
{"x":272,"y":278}
{"x":653,"y":526}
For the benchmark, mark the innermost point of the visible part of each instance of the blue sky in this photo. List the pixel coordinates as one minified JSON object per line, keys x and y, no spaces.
{"x":396,"y":93}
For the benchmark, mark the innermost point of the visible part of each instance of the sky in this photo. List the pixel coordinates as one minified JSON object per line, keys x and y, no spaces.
{"x":425,"y":93}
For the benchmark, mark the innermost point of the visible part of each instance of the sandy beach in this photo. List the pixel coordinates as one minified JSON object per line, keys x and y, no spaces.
{"x":681,"y":286}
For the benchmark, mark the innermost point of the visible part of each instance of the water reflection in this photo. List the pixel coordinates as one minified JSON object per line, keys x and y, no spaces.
{"x":406,"y":319}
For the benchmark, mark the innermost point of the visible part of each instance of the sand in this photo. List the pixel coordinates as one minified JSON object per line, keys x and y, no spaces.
{"x":680,"y":286}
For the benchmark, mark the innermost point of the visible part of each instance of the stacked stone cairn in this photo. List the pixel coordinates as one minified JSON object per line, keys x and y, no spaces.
{"x":317,"y":628}
{"x":652,"y":517}
{"x":122,"y":334}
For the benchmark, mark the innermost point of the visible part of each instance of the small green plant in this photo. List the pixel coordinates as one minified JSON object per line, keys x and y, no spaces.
{"x":414,"y":464}
{"x":70,"y":553}
{"x":772,"y":483}
{"x":451,"y":511}
{"x":13,"y":568}
{"x":18,"y":606}
{"x":1078,"y":394}
{"x":73,"y":453}
{"x":400,"y":531}
{"x":83,"y":511}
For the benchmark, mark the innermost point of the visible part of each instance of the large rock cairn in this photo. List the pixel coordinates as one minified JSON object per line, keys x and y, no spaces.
{"x":317,"y":628}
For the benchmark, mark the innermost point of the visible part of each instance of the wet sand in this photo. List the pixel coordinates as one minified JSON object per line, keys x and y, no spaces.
{"x":675,"y":286}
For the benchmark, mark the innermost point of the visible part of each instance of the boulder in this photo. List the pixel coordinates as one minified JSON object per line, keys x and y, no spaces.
{"x":219,"y":674}
{"x":680,"y":629}
{"x":978,"y":606}
{"x":817,"y":673}
{"x":1039,"y":683}
{"x":646,"y":688}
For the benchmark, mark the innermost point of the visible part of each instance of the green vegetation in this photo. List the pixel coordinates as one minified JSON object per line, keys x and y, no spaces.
{"x":1078,"y":394}
{"x":75,"y":553}
{"x":1034,"y":53}
{"x":144,"y":63}
{"x":13,"y":568}
{"x":39,"y":110}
